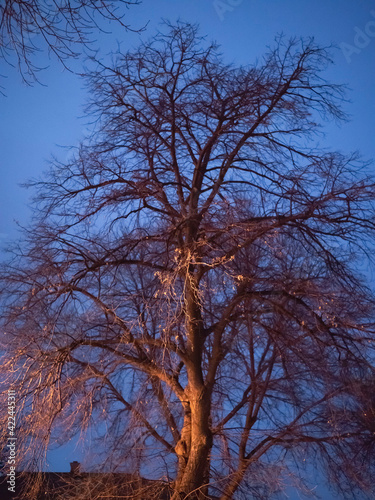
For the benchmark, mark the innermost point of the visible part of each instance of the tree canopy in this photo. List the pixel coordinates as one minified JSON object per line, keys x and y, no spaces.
{"x":192,"y":288}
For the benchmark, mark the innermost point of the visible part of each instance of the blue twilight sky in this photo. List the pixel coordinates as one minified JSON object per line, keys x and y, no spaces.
{"x":34,"y":121}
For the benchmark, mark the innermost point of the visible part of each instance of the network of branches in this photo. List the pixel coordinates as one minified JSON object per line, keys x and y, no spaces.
{"x":64,"y":27}
{"x":191,"y":290}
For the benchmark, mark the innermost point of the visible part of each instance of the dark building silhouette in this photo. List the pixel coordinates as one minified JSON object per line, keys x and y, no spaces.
{"x":83,"y":486}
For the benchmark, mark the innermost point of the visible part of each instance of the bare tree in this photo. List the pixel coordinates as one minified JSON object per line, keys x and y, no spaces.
{"x":191,"y":288}
{"x":62,"y":26}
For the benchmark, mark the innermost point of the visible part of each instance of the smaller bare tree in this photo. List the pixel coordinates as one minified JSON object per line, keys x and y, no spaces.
{"x":64,"y":27}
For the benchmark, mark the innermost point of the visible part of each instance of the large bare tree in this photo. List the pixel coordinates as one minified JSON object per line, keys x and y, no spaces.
{"x":193,"y":287}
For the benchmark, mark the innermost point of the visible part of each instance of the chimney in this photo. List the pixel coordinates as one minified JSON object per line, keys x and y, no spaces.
{"x":75,"y":468}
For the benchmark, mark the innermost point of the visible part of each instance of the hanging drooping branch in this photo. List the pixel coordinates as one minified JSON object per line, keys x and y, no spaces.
{"x":63,"y":27}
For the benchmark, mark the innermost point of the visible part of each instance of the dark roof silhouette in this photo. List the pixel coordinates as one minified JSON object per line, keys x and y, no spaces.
{"x":83,"y":486}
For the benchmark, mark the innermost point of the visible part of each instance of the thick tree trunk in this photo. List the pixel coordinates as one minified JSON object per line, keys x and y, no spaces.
{"x":194,"y":448}
{"x":193,"y":479}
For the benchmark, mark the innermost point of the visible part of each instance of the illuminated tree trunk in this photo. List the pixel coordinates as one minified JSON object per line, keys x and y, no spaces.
{"x":194,"y":448}
{"x":196,"y":442}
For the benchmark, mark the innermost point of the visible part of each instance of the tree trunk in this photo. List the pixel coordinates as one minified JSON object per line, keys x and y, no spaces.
{"x":194,"y":448}
{"x":193,"y":479}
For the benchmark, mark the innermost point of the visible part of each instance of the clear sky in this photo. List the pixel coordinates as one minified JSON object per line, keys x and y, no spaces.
{"x":36,"y":120}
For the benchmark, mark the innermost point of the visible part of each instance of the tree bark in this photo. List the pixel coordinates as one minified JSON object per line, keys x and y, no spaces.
{"x":192,"y":480}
